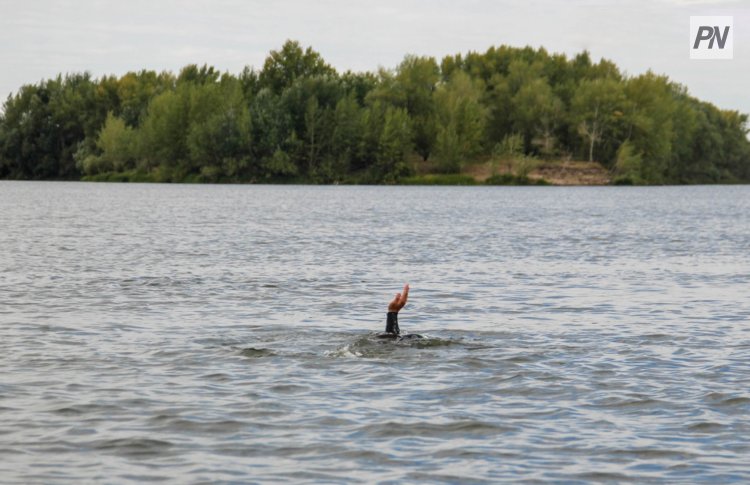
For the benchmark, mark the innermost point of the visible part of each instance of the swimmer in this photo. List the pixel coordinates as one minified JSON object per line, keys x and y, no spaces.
{"x":391,"y":321}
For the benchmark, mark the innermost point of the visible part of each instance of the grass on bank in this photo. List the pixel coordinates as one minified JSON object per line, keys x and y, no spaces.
{"x":137,"y":176}
{"x":549,"y":172}
{"x":464,"y":179}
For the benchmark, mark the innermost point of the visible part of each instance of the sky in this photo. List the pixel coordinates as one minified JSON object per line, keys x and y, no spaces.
{"x":41,"y":38}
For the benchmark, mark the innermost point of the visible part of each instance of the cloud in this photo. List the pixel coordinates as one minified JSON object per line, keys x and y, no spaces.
{"x":42,"y":38}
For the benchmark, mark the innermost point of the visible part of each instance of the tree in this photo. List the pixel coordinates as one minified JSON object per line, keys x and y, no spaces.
{"x":313,"y":125}
{"x":135,"y":90}
{"x":298,"y":119}
{"x":346,"y":142}
{"x":271,"y":134}
{"x":416,"y":77}
{"x":198,"y":75}
{"x":629,"y":165}
{"x":222,"y":140}
{"x":28,"y":134}
{"x":394,"y":145}
{"x":461,"y":119}
{"x":311,"y":103}
{"x":117,"y":146}
{"x":358,"y":84}
{"x":648,"y":120}
{"x":502,"y":96}
{"x":281,"y":68}
{"x":163,"y":134}
{"x":537,"y":113}
{"x":596,"y":107}
{"x":411,"y":86}
{"x":497,"y":100}
{"x":44,"y":124}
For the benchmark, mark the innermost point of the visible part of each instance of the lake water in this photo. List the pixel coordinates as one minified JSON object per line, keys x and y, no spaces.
{"x":183,"y":334}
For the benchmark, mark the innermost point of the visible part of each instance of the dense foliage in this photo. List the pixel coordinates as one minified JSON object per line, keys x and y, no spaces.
{"x":298,"y":119}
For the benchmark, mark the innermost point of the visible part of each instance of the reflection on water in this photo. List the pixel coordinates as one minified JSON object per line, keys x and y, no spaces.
{"x":227,"y":333}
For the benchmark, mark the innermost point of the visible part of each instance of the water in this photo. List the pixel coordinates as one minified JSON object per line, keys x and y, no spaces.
{"x":189,"y":334}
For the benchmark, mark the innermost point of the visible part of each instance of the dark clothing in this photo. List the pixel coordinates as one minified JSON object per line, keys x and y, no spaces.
{"x":392,"y":330}
{"x":391,"y":326}
{"x":391,"y":323}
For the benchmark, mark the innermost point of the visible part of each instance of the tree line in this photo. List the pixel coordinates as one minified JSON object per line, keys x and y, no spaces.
{"x":299,"y":120}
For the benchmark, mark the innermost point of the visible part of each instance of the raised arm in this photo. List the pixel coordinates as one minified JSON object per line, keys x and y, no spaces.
{"x":398,"y":302}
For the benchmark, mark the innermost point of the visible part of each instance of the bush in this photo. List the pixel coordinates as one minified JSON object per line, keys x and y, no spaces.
{"x":439,"y":179}
{"x":510,"y":179}
{"x":628,"y":166}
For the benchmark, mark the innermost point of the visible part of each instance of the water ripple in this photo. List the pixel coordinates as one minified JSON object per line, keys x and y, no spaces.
{"x":195,"y":334}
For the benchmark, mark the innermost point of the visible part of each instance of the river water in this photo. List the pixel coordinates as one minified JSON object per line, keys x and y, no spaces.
{"x":185,"y":334}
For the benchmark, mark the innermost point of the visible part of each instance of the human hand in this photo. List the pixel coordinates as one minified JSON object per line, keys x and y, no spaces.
{"x":399,"y":300}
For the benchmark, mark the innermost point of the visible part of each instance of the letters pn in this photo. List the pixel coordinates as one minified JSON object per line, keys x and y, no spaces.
{"x":710,"y":34}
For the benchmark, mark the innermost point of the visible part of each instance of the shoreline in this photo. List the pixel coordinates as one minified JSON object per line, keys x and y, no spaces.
{"x":547,"y":173}
{"x":543,"y":173}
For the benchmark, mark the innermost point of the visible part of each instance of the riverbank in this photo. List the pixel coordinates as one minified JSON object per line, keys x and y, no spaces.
{"x":551,"y":172}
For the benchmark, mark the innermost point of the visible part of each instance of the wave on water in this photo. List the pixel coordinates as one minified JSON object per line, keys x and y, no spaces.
{"x":254,"y":353}
{"x":229,"y":334}
{"x":371,"y":346}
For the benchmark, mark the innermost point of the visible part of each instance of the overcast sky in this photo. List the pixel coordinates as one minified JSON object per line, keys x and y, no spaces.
{"x":41,"y":38}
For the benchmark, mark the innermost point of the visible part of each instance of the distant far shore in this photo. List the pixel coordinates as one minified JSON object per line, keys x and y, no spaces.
{"x":560,"y":173}
{"x":507,"y":116}
{"x":552,"y":172}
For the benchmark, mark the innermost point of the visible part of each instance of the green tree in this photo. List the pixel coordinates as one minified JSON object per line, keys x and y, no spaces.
{"x":313,"y":126}
{"x":411,"y":86}
{"x":198,"y":75}
{"x":394,"y":146}
{"x":629,"y":165}
{"x":512,"y":73}
{"x":135,"y":90}
{"x":311,"y":103}
{"x":461,"y":119}
{"x":163,"y":134}
{"x":271,"y":135}
{"x":28,"y":135}
{"x":44,"y":124}
{"x":298,"y":119}
{"x":497,"y":100}
{"x":117,"y":146}
{"x":416,"y":78}
{"x":281,"y":68}
{"x":373,"y":120}
{"x":648,"y":117}
{"x":595,"y":109}
{"x":358,"y":84}
{"x":537,"y":113}
{"x":221,"y":140}
{"x":346,"y":142}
